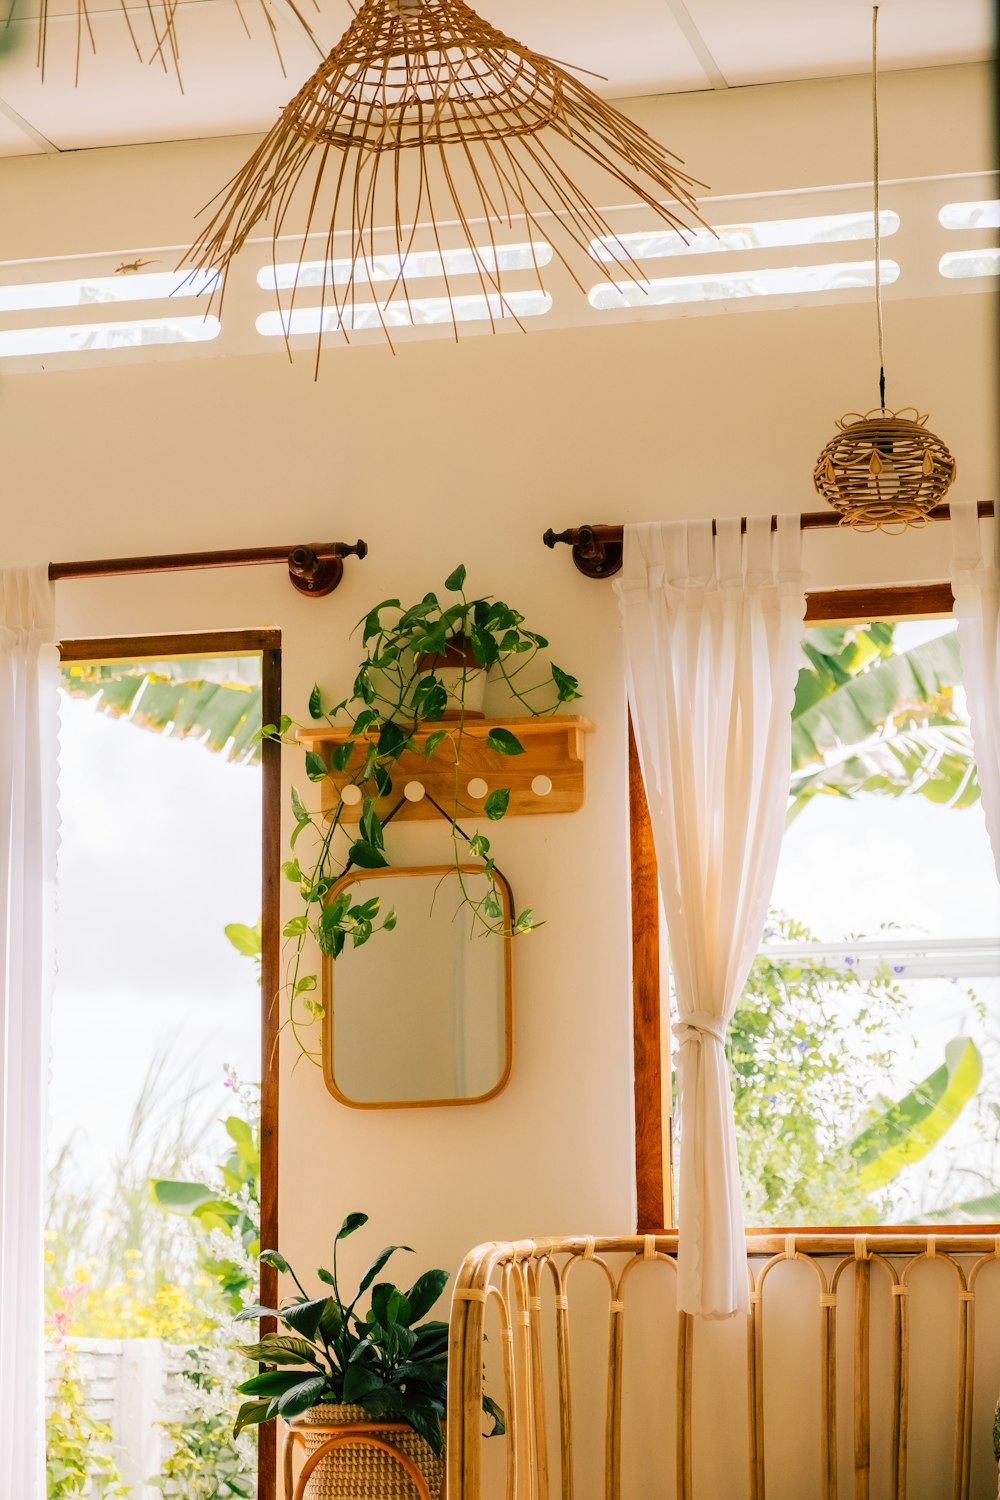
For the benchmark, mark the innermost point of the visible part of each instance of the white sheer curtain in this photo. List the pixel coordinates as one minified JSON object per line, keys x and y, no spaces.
{"x":28,"y":748}
{"x":976,"y":586}
{"x":712,"y":632}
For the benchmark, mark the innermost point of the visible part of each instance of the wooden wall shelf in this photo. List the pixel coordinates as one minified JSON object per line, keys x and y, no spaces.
{"x":553,"y":750}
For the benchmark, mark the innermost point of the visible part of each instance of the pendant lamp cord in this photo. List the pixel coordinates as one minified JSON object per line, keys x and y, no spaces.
{"x":878,"y":237}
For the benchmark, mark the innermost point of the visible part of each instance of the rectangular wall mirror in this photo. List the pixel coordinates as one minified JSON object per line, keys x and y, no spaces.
{"x":421,"y":1015}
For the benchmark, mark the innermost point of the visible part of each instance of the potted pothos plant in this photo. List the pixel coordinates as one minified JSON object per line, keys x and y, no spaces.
{"x":419,"y":665}
{"x":336,"y":1363}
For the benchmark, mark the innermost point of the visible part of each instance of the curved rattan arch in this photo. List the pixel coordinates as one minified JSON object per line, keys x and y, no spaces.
{"x":360,"y":1439}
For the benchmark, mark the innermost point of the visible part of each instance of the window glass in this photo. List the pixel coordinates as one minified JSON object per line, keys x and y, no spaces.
{"x":817,"y":229}
{"x":983,"y":214}
{"x":77,"y":338}
{"x":410,"y":267}
{"x":960,"y":265}
{"x":773,"y":281}
{"x":402,"y":314}
{"x":865,"y":1048}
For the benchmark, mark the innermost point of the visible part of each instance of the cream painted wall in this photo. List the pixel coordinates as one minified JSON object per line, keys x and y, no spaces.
{"x":448,"y":453}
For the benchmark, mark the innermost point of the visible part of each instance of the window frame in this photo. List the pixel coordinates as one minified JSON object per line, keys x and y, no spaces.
{"x":267,"y":644}
{"x":650,"y":1033}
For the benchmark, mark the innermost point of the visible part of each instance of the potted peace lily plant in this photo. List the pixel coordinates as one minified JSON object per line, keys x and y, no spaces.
{"x":336,"y":1364}
{"x":422,"y":668}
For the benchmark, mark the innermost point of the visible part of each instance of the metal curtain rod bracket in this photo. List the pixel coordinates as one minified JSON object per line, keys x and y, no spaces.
{"x":314,"y":569}
{"x":598,"y":550}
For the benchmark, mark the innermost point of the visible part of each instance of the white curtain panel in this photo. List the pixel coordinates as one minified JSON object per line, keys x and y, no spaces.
{"x":28,"y":750}
{"x":976,"y":586}
{"x":712,"y":632}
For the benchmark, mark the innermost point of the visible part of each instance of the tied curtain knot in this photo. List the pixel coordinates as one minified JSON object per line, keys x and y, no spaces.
{"x":699,"y":1026}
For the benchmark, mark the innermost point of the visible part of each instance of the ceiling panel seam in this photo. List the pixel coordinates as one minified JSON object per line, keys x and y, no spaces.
{"x":698,"y":44}
{"x":27,"y":128}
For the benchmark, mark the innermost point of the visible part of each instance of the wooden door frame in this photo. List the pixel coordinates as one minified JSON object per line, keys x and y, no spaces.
{"x":651,"y":1081}
{"x":200,"y":645}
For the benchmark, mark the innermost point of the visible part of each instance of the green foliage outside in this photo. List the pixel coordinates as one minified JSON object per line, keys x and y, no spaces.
{"x":148,"y":1260}
{"x":819,"y":1143}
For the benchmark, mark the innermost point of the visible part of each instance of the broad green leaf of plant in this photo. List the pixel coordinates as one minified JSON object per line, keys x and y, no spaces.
{"x":497,"y":803}
{"x":246,"y":940}
{"x":985,"y":1209}
{"x":851,"y":712}
{"x":913,"y":1126}
{"x":504,"y":742}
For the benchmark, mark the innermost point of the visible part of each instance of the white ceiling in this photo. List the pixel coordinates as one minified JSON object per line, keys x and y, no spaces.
{"x":233,"y":84}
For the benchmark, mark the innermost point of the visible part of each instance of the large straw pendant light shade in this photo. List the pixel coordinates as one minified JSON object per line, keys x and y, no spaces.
{"x":425,"y":114}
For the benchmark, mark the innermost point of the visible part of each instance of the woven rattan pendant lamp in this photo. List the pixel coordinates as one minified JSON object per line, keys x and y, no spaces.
{"x":884,"y":470}
{"x":426,"y":116}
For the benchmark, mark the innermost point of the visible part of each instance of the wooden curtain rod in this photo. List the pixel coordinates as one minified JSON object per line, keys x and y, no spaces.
{"x":597,"y":550}
{"x":314,"y":569}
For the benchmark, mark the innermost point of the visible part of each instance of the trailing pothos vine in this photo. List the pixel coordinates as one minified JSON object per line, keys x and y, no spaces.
{"x":399,"y":690}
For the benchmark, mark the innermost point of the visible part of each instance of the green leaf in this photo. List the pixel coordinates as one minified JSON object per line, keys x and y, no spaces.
{"x":304,"y":1317}
{"x":305,"y":984}
{"x":302,"y":1396}
{"x":342,"y":755}
{"x":567,"y":687}
{"x":270,"y":1383}
{"x":315,"y":702}
{"x":497,"y":803}
{"x":316,"y":767}
{"x":389,"y":1306}
{"x":272,"y":1258}
{"x":370,"y":826}
{"x":250,"y":1414}
{"x":292,"y":870}
{"x":372,"y":623}
{"x":850,"y":712}
{"x":504,"y":742}
{"x":299,"y":809}
{"x":915,"y":1124}
{"x":181,"y":1197}
{"x":380,"y":1260}
{"x":295,"y":927}
{"x":479,"y":845}
{"x":455,"y":582}
{"x":427,"y":1421}
{"x":354,"y":1221}
{"x":246,"y":940}
{"x":360,"y":1381}
{"x":496,"y":1414}
{"x":433,"y":740}
{"x":974,"y":1210}
{"x":279,"y":1349}
{"x":254,"y":1311}
{"x":366,"y":856}
{"x":389,"y":922}
{"x":424,"y":1292}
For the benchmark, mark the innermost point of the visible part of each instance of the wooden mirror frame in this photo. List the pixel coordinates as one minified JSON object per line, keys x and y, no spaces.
{"x":650,"y":1039}
{"x":355,"y":877}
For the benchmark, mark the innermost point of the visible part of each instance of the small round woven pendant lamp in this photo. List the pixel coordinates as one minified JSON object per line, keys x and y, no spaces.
{"x":883,"y":470}
{"x":424,"y":116}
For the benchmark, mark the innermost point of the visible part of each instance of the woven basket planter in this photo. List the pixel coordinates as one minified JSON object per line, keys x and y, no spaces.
{"x":359,"y":1470}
